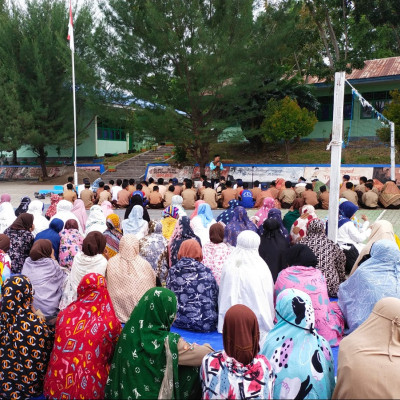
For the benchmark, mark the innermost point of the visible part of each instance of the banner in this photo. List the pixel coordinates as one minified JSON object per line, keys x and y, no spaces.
{"x":323,"y":173}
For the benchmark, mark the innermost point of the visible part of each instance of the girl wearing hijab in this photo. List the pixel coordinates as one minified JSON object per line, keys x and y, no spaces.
{"x":137,"y":200}
{"x":5,"y":198}
{"x":52,"y":210}
{"x":177,"y":202}
{"x":238,"y":371}
{"x":293,"y":214}
{"x":374,"y":344}
{"x":64,"y":212}
{"x":374,"y":279}
{"x":273,"y":247}
{"x":183,"y":231}
{"x":47,"y":278}
{"x":299,"y":227}
{"x":262,"y":213}
{"x":90,"y":325}
{"x":169,"y":219}
{"x":215,"y":252}
{"x":301,"y":359}
{"x":53,"y":234}
{"x":23,"y":206}
{"x":164,"y":363}
{"x":154,"y":249}
{"x":90,"y":259}
{"x":41,"y":223}
{"x":129,"y":276}
{"x":21,"y":241}
{"x":390,"y":196}
{"x":201,"y":223}
{"x":247,"y":280}
{"x":226,"y":216}
{"x":275,"y":213}
{"x":135,"y":224}
{"x":197,"y":204}
{"x":79,"y":211}
{"x":113,"y":235}
{"x":302,"y":275}
{"x":5,"y":262}
{"x":70,"y":244}
{"x":380,"y":230}
{"x":196,"y":288}
{"x":96,"y":221}
{"x":7,"y":216}
{"x":107,"y":208}
{"x":239,"y":223}
{"x":25,"y":341}
{"x":331,"y":259}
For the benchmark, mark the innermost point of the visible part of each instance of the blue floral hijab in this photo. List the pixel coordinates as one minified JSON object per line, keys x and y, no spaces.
{"x":301,"y":359}
{"x":239,"y":223}
{"x":227,"y":215}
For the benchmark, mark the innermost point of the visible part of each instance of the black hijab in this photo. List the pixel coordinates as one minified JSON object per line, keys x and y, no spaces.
{"x":273,"y":247}
{"x":137,"y":200}
{"x":302,"y":255}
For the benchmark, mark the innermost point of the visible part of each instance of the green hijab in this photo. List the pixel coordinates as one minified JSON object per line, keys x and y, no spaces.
{"x":145,"y":363}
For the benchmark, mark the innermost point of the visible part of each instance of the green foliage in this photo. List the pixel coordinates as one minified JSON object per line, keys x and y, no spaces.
{"x":392,"y":113}
{"x":286,"y":120}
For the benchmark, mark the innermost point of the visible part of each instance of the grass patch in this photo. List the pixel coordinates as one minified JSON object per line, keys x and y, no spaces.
{"x":114,"y":160}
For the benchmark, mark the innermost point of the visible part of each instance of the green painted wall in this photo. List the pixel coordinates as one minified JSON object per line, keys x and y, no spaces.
{"x":109,"y":146}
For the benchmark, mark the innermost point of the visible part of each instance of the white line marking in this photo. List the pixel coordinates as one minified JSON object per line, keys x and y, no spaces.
{"x":380,"y":215}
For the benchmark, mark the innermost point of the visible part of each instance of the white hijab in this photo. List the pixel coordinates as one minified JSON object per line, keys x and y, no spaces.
{"x":246,"y":279}
{"x":135,"y":224}
{"x":177,"y":202}
{"x":41,"y":223}
{"x":96,"y":221}
{"x":64,"y":213}
{"x":7,"y":215}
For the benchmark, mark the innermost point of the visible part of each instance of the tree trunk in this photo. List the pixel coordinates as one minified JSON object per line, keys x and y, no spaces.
{"x":203,"y":159}
{"x":42,"y":159}
{"x":14,"y":157}
{"x":287,"y":149}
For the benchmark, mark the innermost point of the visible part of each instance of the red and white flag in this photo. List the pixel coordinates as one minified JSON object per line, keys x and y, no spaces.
{"x":70,"y":36}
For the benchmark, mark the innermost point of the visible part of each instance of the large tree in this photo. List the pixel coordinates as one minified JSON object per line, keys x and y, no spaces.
{"x":181,"y":58}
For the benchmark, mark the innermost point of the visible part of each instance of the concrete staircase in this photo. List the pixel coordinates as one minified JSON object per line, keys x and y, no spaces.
{"x":135,"y":167}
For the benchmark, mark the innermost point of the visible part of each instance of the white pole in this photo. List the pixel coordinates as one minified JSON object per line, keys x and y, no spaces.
{"x":74,"y":101}
{"x":336,"y":155}
{"x":392,"y":152}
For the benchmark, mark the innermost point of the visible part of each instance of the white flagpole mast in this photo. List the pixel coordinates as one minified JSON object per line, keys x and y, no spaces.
{"x":72,"y":47}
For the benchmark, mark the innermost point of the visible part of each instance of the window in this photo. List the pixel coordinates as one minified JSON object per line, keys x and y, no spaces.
{"x":378,"y":100}
{"x":111,"y":134}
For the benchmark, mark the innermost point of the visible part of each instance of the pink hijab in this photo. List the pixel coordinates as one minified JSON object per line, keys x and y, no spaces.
{"x":262,"y":213}
{"x":106,"y":206}
{"x":79,"y":211}
{"x":5,"y":198}
{"x":196,"y":208}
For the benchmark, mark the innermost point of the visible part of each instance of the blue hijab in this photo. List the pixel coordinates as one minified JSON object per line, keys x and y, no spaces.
{"x":346,"y":211}
{"x":52,"y":234}
{"x":227,"y":215}
{"x":301,"y":359}
{"x":374,"y":279}
{"x":205,"y":214}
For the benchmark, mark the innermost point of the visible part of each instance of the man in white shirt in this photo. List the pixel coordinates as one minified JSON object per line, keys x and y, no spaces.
{"x":115,"y":189}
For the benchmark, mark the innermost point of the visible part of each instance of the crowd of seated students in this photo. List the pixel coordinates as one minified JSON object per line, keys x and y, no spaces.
{"x":88,"y":300}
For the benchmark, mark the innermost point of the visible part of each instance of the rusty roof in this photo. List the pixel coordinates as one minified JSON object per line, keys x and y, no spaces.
{"x":382,"y":67}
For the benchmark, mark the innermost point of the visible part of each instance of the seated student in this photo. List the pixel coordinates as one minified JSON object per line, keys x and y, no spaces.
{"x":23,"y":206}
{"x":41,"y":223}
{"x":128,"y":276}
{"x":162,"y":364}
{"x":135,"y":224}
{"x":47,"y":278}
{"x":262,"y":213}
{"x":53,"y":234}
{"x":264,"y":193}
{"x":287,"y":195}
{"x":276,"y":214}
{"x":90,"y":259}
{"x":219,"y":187}
{"x":178,"y":188}
{"x":201,"y":223}
{"x":70,"y":180}
{"x":293,"y":213}
{"x":350,"y":194}
{"x":369,"y":199}
{"x":246,"y":197}
{"x":361,"y":186}
{"x":115,"y":189}
{"x":324,"y":198}
{"x":70,"y":244}
{"x":345,"y":179}
{"x":300,"y":186}
{"x":209,"y":195}
{"x":5,"y":262}
{"x":331,"y":259}
{"x":25,"y":341}
{"x":169,"y":219}
{"x":246,"y":279}
{"x":377,"y":186}
{"x":189,"y":196}
{"x":145,"y":189}
{"x":374,"y":279}
{"x":238,"y":371}
{"x":64,"y":212}
{"x":300,"y":357}
{"x":131,"y":186}
{"x":70,"y":193}
{"x":87,"y":196}
{"x":155,"y":199}
{"x":195,"y":288}
{"x":256,"y":190}
{"x":299,"y":227}
{"x":151,"y":184}
{"x":301,"y":274}
{"x":177,"y":202}
{"x":161,"y":188}
{"x":105,"y":195}
{"x":240,"y":222}
{"x":123,"y":197}
{"x":98,"y":192}
{"x":309,"y":196}
{"x":137,"y":200}
{"x":369,"y":360}
{"x":90,"y":325}
{"x":390,"y":196}
{"x":96,"y":221}
{"x":228,"y":194}
{"x":169,"y":194}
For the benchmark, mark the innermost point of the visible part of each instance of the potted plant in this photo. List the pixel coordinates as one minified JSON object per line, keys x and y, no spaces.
{"x":166,"y":156}
{"x":112,"y":168}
